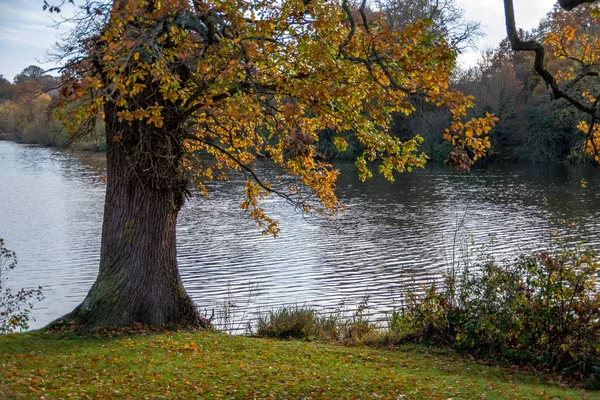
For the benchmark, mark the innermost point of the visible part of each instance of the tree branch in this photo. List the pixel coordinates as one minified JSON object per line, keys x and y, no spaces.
{"x":531,"y":45}
{"x":246,"y":169}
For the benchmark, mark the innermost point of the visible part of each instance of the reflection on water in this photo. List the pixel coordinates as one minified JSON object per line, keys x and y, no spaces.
{"x":391,"y":236}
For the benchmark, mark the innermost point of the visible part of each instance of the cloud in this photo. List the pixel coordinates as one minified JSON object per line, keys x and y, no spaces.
{"x":26,"y":34}
{"x":24,"y":24}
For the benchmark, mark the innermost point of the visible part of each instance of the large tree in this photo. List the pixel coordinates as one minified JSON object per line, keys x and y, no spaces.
{"x":190,"y":90}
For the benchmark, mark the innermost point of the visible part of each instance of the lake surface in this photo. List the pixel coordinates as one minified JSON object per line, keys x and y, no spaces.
{"x":392,"y":236}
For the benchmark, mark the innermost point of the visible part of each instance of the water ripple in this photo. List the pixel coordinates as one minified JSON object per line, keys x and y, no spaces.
{"x":391,"y":237}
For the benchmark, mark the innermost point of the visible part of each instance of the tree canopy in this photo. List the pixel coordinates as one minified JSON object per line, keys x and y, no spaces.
{"x":251,"y":78}
{"x":32,"y":72}
{"x":26,"y":107}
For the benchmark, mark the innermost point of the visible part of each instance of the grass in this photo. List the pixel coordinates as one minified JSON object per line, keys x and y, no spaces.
{"x":214,"y":365}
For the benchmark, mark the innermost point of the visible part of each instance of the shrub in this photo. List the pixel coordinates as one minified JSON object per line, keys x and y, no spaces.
{"x":358,"y":326}
{"x":542,"y":310}
{"x":421,"y":314}
{"x":15,"y":307}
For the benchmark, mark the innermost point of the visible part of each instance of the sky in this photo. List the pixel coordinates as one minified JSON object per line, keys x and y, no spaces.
{"x":27,"y":32}
{"x":490,"y":13}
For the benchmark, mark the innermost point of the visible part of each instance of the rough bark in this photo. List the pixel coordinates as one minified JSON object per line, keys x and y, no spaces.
{"x":138,"y":280}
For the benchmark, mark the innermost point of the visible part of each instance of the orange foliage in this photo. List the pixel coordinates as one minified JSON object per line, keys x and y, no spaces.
{"x":574,"y":39}
{"x":262,"y":78}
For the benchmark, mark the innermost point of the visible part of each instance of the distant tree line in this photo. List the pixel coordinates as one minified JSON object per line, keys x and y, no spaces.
{"x":531,"y":128}
{"x":26,"y":107}
{"x":28,"y":111}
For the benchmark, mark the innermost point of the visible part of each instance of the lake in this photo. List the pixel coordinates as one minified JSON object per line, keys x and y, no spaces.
{"x":392,"y":236}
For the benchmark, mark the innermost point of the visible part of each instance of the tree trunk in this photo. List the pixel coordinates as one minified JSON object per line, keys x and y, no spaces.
{"x":138,"y":280}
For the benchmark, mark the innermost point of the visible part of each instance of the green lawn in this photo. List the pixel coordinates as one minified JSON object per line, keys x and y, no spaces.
{"x":214,"y":365}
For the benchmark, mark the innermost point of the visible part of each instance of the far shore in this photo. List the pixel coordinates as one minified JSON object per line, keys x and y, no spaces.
{"x":95,"y":160}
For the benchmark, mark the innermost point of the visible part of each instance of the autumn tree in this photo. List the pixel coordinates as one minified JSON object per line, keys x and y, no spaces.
{"x":447,"y":21}
{"x":190,"y":91}
{"x":33,"y":72}
{"x":573,"y":38}
{"x":25,"y":107}
{"x":531,"y":128}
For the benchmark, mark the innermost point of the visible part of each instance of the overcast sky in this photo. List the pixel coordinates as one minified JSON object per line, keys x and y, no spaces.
{"x":27,"y":32}
{"x":490,"y":13}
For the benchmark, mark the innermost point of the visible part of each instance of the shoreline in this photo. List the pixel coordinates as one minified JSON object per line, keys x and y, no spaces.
{"x":96,"y":160}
